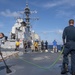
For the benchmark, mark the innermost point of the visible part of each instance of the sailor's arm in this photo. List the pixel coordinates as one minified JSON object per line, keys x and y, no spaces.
{"x":1,"y":36}
{"x":64,"y":36}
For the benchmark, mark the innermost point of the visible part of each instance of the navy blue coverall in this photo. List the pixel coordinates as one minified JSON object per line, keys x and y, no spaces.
{"x":69,"y":47}
{"x":46,"y":45}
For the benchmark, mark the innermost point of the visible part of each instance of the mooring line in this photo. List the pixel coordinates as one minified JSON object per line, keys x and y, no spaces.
{"x":47,"y":68}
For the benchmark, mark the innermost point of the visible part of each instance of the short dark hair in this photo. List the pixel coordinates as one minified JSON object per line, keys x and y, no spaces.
{"x":1,"y":35}
{"x":71,"y":21}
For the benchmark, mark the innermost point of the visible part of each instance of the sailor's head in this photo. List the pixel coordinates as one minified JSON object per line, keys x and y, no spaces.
{"x":1,"y":35}
{"x":18,"y":40}
{"x":71,"y":22}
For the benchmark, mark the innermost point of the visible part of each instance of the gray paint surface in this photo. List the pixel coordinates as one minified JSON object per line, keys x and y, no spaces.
{"x":24,"y":64}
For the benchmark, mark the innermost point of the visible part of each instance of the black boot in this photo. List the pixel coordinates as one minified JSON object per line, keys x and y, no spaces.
{"x":65,"y":69}
{"x":25,"y":50}
{"x":73,"y":73}
{"x":32,"y":50}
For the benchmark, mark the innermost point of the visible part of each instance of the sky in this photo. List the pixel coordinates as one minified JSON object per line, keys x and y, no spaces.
{"x":53,"y":16}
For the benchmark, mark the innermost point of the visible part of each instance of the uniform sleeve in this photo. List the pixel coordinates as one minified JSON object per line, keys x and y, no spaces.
{"x":64,"y":36}
{"x":19,"y":43}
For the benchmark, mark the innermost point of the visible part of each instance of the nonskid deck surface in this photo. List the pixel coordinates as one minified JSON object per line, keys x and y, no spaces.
{"x":34,"y":63}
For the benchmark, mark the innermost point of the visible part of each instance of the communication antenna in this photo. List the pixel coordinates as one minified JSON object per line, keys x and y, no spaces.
{"x":27,"y":2}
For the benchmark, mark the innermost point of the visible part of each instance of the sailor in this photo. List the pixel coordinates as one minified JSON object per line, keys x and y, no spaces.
{"x":36,"y":45}
{"x":46,"y":46}
{"x":0,"y":48}
{"x":17,"y":45}
{"x":69,"y":47}
{"x":54,"y":46}
{"x":1,"y":36}
{"x":25,"y":46}
{"x":42,"y":45}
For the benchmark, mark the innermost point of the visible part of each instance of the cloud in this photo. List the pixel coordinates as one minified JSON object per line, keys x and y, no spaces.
{"x":59,"y":3}
{"x":32,"y":12}
{"x":70,"y":2}
{"x":51,"y":4}
{"x":53,"y":34}
{"x":46,"y":4}
{"x":8,"y":13}
{"x":63,"y":7}
{"x":64,"y":13}
{"x":59,"y":31}
{"x":47,"y":32}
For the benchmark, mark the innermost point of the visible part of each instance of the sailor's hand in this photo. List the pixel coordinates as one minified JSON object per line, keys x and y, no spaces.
{"x":62,"y":48}
{"x":0,"y":53}
{"x":64,"y":44}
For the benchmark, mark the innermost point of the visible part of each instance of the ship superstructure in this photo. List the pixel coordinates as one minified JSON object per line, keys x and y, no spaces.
{"x":22,"y":30}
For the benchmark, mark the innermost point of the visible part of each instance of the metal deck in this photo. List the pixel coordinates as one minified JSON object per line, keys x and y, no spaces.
{"x":35,"y":63}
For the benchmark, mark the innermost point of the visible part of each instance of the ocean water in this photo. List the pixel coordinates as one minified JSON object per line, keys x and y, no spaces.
{"x":51,"y":47}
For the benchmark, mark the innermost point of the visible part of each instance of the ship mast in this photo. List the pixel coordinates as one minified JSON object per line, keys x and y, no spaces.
{"x":27,"y":13}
